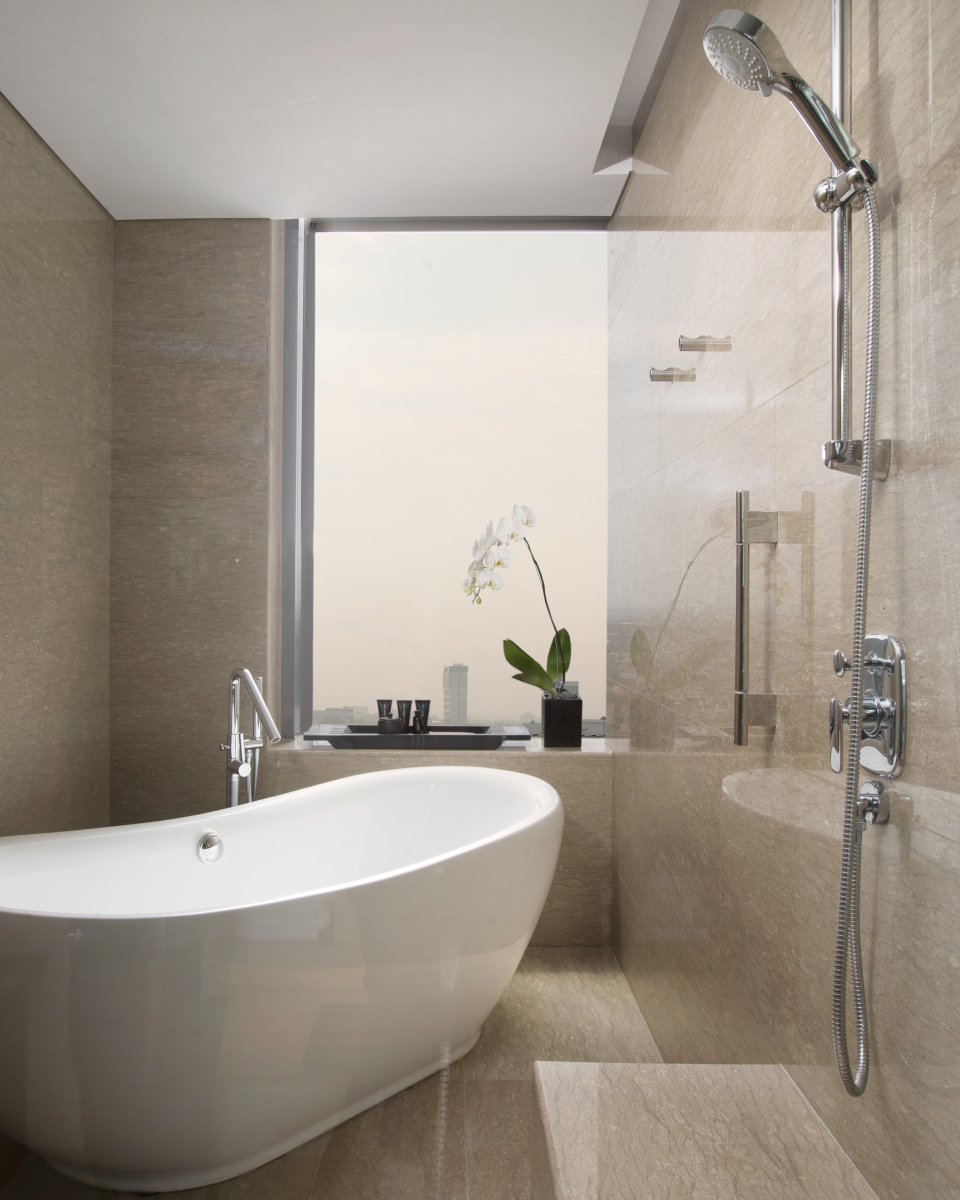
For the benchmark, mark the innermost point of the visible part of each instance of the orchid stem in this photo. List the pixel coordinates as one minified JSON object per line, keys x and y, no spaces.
{"x":556,"y":635}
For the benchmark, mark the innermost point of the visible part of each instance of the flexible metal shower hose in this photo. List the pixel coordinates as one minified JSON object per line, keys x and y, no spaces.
{"x":848,"y":910}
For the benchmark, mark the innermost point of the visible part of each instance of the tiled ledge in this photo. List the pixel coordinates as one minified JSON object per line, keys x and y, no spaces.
{"x":534,"y":746}
{"x":624,"y":1130}
{"x":577,"y":910}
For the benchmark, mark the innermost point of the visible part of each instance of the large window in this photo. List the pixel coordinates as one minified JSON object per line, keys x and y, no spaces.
{"x":457,"y":374}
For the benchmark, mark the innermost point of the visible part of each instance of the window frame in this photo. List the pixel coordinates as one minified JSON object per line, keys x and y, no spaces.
{"x":299,"y":426}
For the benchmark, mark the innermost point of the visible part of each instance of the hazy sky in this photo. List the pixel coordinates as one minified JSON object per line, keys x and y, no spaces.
{"x":458,"y":374}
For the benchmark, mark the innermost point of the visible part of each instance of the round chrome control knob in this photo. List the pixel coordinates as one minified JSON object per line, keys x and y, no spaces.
{"x":209,"y":848}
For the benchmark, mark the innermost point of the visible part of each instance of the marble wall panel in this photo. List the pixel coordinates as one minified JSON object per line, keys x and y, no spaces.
{"x":726,"y":860}
{"x":196,"y":393}
{"x":577,"y":909}
{"x":56,"y":250}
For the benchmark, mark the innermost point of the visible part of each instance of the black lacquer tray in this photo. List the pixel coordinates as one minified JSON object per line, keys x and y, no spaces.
{"x":439,"y":737}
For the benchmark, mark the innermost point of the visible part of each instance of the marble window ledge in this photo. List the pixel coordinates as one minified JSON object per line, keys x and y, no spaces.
{"x":534,"y":746}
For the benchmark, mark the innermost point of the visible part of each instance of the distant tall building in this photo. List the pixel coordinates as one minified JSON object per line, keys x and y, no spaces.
{"x":455,"y":694}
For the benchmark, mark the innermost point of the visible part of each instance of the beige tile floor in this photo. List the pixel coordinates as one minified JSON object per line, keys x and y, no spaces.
{"x":463,"y":1134}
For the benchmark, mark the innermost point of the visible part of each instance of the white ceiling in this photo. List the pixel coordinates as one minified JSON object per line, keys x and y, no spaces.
{"x":283,"y":108}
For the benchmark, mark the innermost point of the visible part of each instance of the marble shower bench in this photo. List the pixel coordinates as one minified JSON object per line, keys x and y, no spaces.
{"x":675,"y":1131}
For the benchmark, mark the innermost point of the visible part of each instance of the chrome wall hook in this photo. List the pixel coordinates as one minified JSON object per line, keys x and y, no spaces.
{"x":705,"y":342}
{"x":673,"y":375}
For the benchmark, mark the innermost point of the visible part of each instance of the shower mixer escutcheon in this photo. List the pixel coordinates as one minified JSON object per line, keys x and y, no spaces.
{"x":883,"y":724}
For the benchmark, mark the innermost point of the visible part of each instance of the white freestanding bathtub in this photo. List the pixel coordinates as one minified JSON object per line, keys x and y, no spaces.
{"x":167,"y":1022}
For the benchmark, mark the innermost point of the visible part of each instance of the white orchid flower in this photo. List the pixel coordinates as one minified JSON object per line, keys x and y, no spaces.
{"x":485,"y":560}
{"x":489,"y":579}
{"x":483,"y":544}
{"x":509,"y":531}
{"x":522,"y":515}
{"x":470,"y":585}
{"x":499,"y":556}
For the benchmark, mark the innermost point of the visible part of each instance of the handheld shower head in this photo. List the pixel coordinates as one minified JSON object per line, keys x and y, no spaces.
{"x":745,"y":52}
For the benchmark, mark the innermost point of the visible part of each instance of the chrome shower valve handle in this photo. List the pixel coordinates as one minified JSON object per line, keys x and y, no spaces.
{"x":839,"y":716}
{"x":884,"y":712}
{"x":879,"y":714}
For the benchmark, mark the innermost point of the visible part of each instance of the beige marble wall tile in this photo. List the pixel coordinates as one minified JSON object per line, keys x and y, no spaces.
{"x":56,"y":252}
{"x":727,"y":870}
{"x":577,"y":909}
{"x":683,"y":1031}
{"x":194,"y":512}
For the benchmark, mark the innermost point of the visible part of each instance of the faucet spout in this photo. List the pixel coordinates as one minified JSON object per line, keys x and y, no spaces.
{"x":256,"y":698}
{"x":243,"y":760}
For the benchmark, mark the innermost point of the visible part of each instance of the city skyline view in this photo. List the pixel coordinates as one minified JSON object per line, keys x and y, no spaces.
{"x":492,"y":347}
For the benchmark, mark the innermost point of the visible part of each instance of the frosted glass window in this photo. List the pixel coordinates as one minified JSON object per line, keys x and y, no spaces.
{"x":456,"y":375}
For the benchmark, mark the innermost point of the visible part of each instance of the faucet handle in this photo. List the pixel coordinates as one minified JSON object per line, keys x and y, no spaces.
{"x":841,"y":664}
{"x":838,"y":714}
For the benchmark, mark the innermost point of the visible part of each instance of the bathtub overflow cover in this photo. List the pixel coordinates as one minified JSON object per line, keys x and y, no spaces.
{"x":209,"y":848}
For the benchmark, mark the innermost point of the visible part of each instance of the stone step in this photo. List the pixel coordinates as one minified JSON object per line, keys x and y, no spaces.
{"x":676,"y":1131}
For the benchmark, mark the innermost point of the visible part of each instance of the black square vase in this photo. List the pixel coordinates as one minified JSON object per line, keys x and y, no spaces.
{"x":562,"y":721}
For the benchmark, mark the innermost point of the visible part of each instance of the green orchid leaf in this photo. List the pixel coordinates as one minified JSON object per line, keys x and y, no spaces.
{"x":519,"y":658}
{"x":555,"y":668}
{"x":540,"y":682}
{"x":529,"y":669}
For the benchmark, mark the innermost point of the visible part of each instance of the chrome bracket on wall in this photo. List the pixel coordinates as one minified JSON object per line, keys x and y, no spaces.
{"x":751,"y":708}
{"x":845,"y":455}
{"x":883,"y":732}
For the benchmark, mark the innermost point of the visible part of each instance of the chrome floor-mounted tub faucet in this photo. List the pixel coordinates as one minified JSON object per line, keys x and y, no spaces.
{"x":243,"y":754}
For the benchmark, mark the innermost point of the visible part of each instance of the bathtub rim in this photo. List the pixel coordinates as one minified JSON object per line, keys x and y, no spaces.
{"x":544,"y":813}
